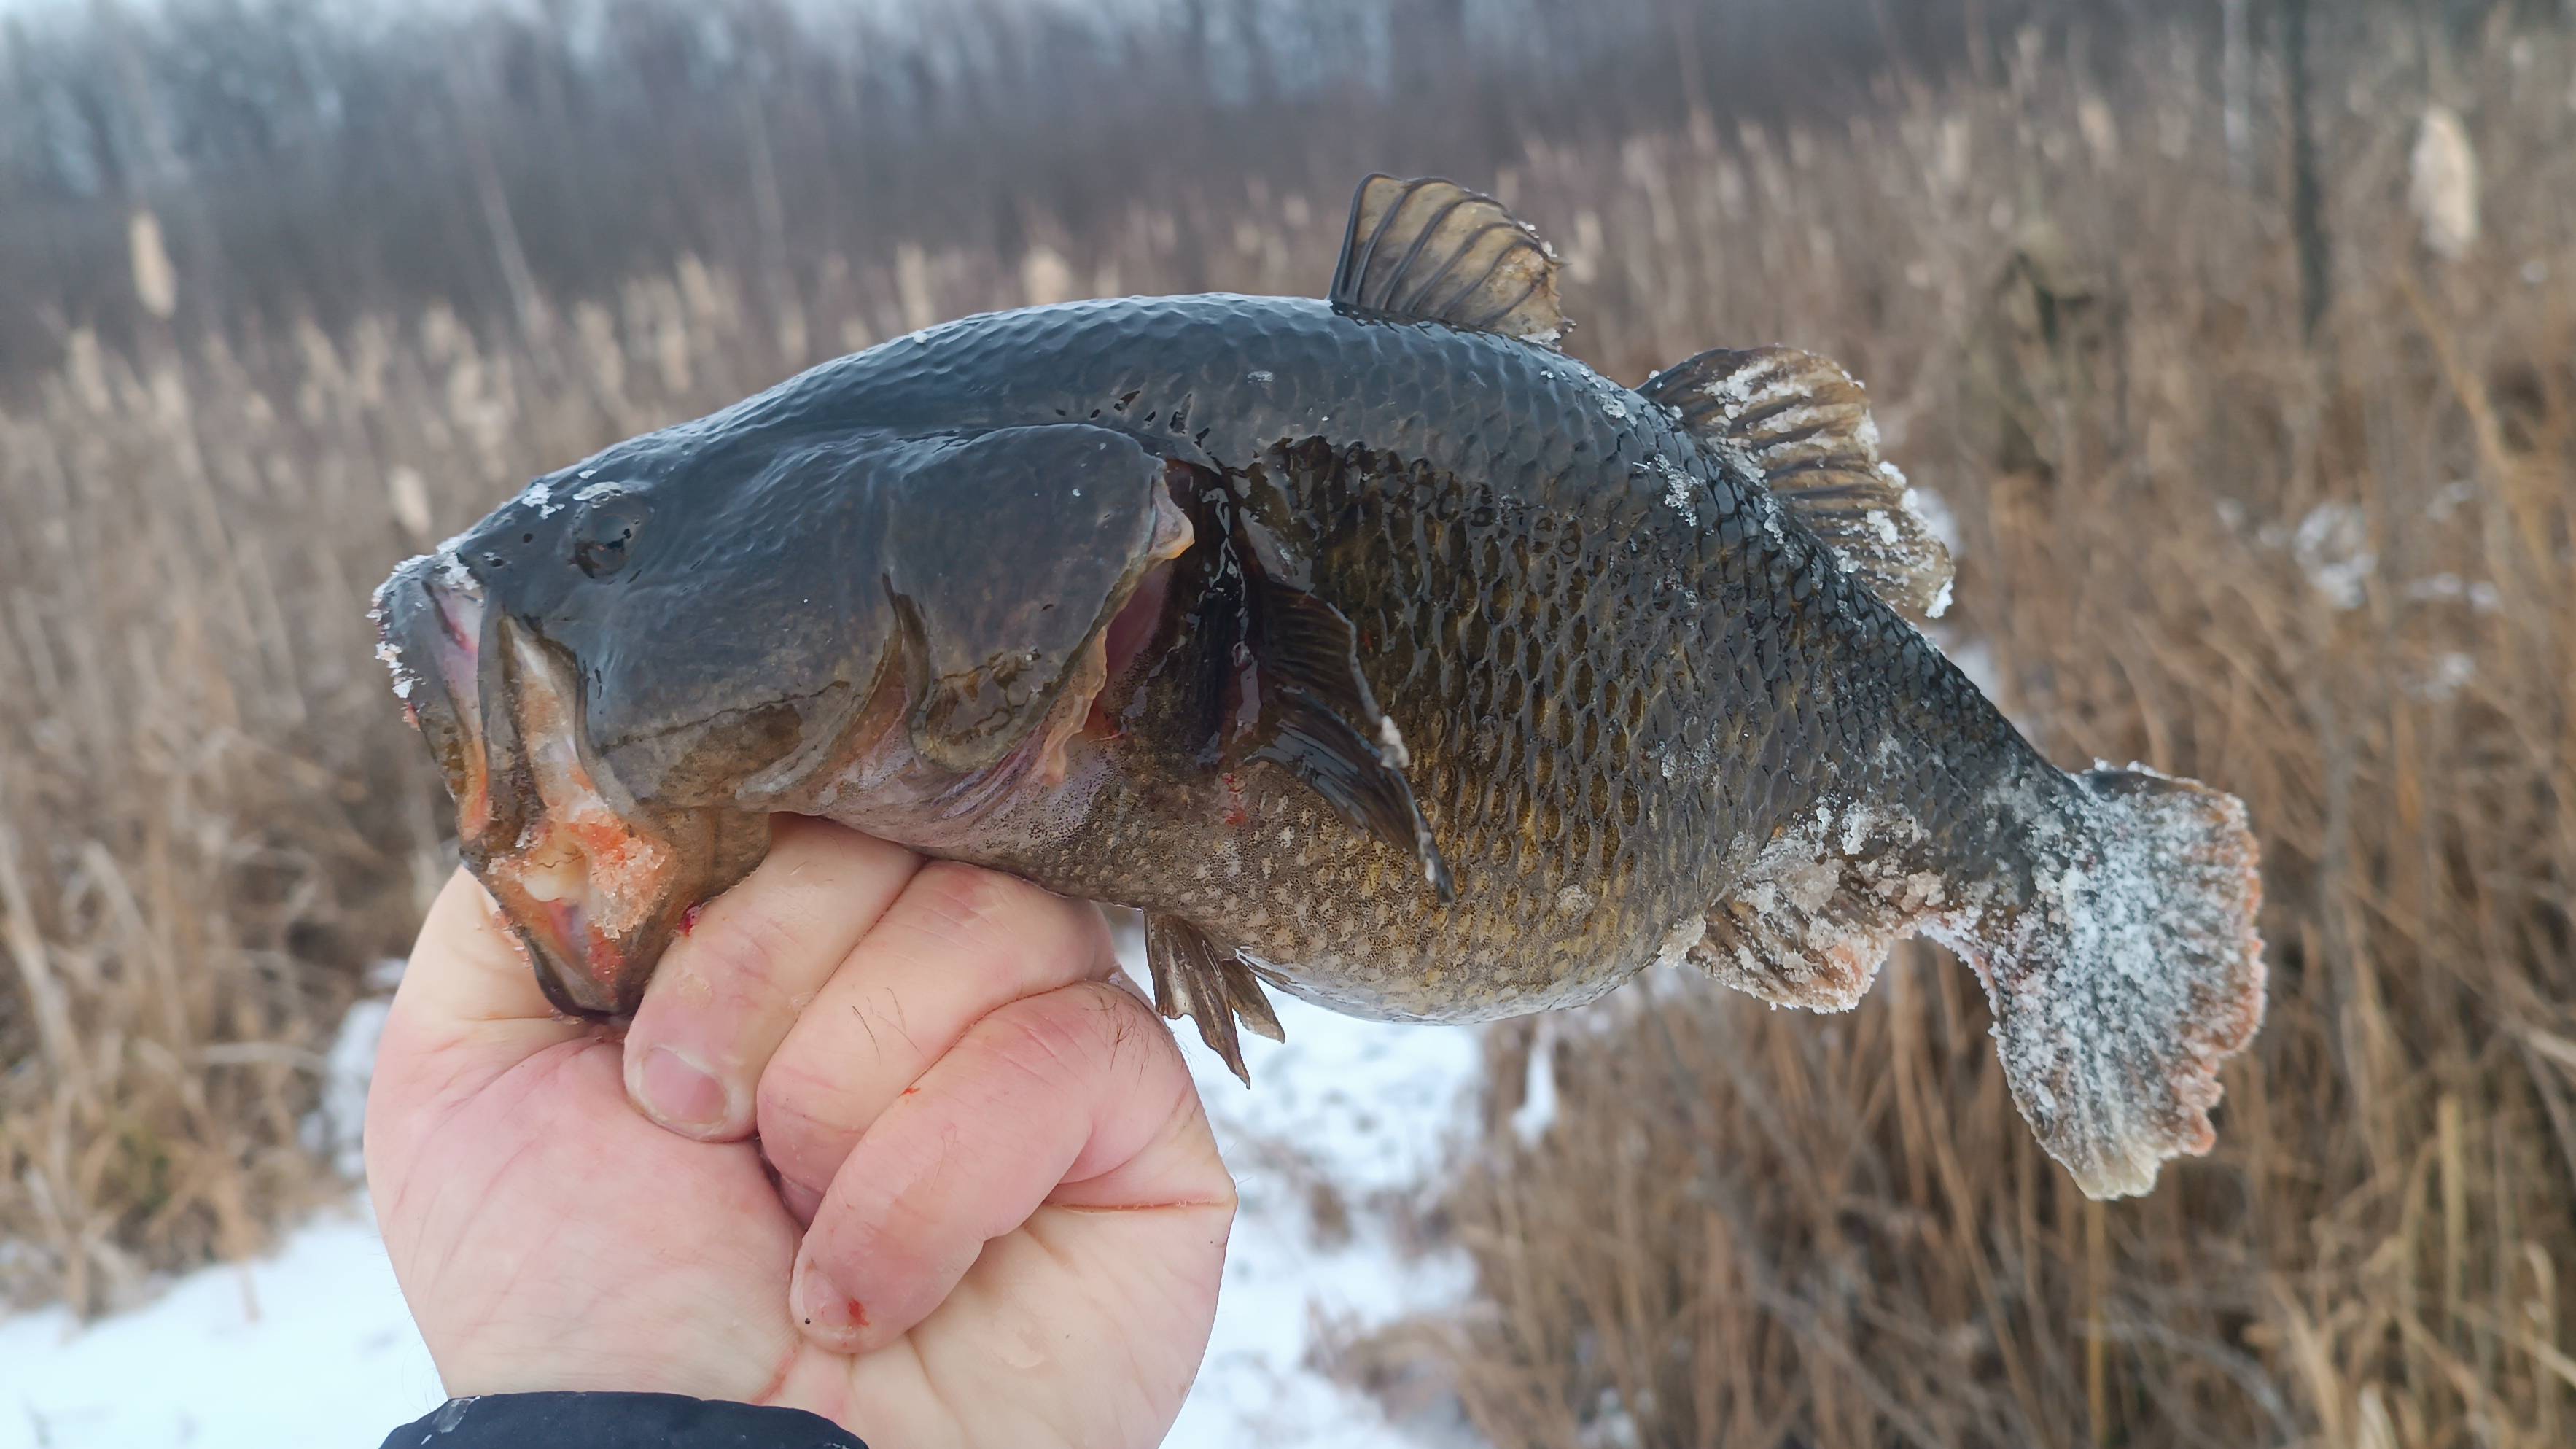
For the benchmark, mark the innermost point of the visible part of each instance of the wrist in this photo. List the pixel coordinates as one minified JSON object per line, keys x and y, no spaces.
{"x":579,"y":1420}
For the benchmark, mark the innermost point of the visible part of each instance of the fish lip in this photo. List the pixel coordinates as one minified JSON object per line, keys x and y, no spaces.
{"x":538,"y":814}
{"x":435,"y":634}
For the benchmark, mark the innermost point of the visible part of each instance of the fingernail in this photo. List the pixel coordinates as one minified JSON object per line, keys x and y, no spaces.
{"x":823,"y":1310}
{"x":681,"y":1095}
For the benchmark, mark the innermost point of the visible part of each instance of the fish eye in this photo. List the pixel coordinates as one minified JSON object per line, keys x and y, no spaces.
{"x":603,"y":539}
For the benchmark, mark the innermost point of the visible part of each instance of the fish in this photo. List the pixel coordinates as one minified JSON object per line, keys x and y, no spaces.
{"x":1375,"y":649}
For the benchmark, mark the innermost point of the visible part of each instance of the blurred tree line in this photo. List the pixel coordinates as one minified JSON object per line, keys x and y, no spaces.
{"x":312,"y":158}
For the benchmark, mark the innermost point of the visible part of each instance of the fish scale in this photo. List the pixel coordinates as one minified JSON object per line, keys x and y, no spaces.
{"x":1525,"y":803}
{"x":1375,"y":649}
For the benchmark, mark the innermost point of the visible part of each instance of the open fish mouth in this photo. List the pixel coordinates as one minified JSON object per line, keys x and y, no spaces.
{"x":593,"y":885}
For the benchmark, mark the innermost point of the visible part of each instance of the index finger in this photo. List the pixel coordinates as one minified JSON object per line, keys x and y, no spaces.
{"x":1077,"y":1098}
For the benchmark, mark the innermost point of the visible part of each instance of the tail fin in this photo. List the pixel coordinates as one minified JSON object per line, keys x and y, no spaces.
{"x":2135,"y":972}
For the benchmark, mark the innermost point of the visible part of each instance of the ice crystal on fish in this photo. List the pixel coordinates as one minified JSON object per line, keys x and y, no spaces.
{"x":1768,"y":508}
{"x":391,"y":658}
{"x":1681,"y":940}
{"x":1928,"y":508}
{"x":1677,"y":491}
{"x":2131,"y":971}
{"x":453,"y":574}
{"x":1819,"y":905}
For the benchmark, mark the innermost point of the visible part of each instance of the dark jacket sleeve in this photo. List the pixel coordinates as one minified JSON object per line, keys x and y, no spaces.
{"x":616,"y":1421}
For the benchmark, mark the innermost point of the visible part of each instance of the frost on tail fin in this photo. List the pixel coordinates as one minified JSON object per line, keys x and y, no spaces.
{"x":2133,"y":974}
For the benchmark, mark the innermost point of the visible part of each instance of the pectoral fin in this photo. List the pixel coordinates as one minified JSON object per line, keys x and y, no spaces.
{"x":1317,"y":718}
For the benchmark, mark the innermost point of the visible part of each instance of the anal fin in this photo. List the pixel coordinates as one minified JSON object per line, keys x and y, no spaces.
{"x":1195,"y":977}
{"x":1810,"y":923}
{"x":1823,"y":961}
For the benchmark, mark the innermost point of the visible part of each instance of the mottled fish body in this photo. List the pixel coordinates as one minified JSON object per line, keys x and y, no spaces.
{"x":1376,"y":650}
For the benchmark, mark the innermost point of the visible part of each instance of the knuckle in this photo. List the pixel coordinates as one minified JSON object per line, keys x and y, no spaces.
{"x":1116,"y":1014}
{"x":1054,"y":1037}
{"x":1128,"y":1021}
{"x":804,"y":1138}
{"x":743,"y":951}
{"x":1029,"y":938}
{"x":970,"y":899}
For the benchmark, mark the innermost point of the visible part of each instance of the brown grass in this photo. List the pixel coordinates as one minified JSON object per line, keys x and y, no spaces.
{"x":1748,"y":1228}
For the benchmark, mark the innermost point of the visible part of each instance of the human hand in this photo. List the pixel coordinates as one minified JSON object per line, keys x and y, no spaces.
{"x":998,"y":1216}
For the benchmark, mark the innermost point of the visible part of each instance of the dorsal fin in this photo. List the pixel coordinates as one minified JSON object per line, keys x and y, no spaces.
{"x":1433,"y":251}
{"x":1805,"y":425}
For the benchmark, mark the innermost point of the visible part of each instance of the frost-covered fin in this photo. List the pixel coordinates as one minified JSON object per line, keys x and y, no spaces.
{"x":1818,"y":908}
{"x":1805,"y":425}
{"x":1433,"y":251}
{"x":2133,"y":975}
{"x":1318,"y":719}
{"x":2114,"y":931}
{"x":1195,"y":977}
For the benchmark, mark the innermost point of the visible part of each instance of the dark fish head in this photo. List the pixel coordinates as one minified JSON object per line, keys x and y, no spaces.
{"x":623,"y":672}
{"x":595,"y":874}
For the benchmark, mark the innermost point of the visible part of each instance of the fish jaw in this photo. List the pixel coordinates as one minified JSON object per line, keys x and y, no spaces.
{"x":591,"y":889}
{"x":594,"y":884}
{"x":433,"y":633}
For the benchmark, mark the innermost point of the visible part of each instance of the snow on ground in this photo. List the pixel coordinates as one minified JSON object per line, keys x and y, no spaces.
{"x":1362,"y":1108}
{"x":312,"y":1345}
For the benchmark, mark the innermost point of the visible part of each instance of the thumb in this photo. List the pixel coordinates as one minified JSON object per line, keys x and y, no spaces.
{"x":468,"y":1010}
